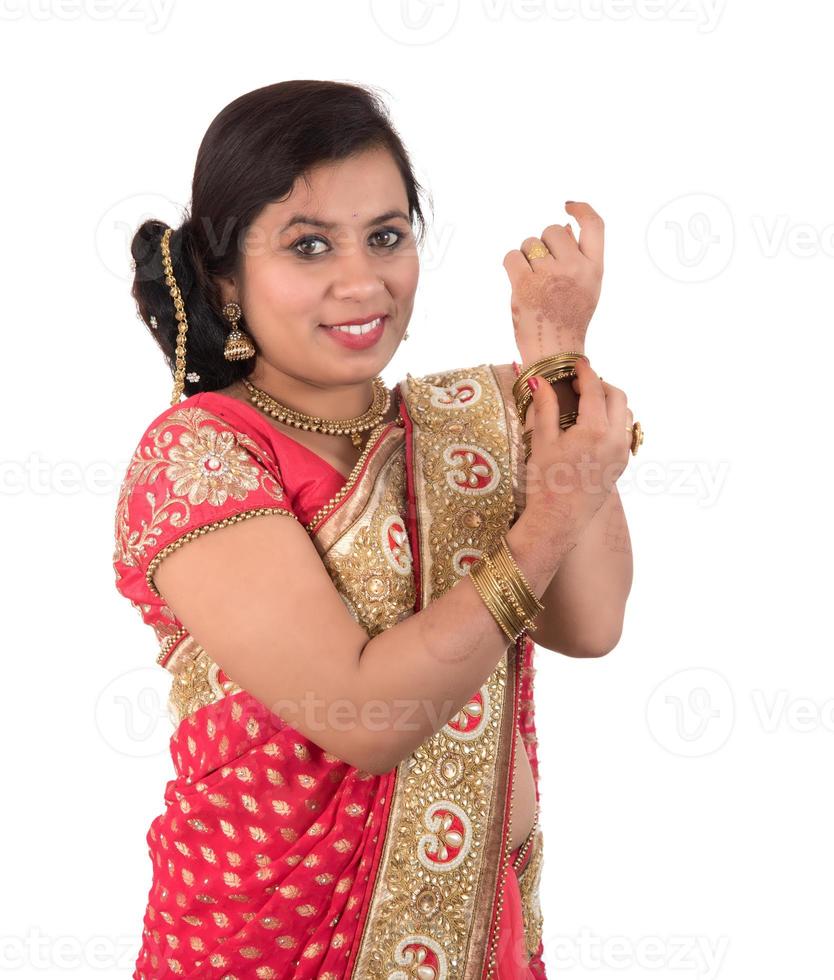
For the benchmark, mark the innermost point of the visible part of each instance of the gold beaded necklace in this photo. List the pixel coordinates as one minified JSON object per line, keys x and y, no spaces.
{"x":369,"y":419}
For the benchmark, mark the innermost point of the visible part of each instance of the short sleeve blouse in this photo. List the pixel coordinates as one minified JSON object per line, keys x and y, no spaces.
{"x":192,"y":472}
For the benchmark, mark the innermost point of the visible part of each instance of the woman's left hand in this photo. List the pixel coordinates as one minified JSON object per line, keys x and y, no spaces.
{"x":554,"y":297}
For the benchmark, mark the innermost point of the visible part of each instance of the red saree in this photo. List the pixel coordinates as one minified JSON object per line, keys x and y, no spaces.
{"x":273,"y":858}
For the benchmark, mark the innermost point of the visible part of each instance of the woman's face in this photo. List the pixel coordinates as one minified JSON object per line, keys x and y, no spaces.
{"x":299,"y":276}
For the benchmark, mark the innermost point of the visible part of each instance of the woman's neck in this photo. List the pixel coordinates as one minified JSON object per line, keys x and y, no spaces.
{"x":329,"y":402}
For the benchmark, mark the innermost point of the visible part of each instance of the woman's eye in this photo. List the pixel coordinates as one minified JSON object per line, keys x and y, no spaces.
{"x":310,"y":240}
{"x":299,"y":246}
{"x":390,"y":231}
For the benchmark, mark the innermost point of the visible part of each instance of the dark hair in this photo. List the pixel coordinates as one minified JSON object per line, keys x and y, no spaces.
{"x":251,"y":155}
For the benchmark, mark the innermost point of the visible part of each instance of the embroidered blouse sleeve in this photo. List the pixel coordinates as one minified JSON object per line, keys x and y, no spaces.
{"x":192,"y":472}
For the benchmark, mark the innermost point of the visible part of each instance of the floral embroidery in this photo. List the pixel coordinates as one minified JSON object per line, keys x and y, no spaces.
{"x":202,"y":460}
{"x":209,"y":465}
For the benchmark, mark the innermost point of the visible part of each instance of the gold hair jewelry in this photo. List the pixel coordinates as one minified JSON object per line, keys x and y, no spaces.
{"x":538,"y":251}
{"x":239,"y":346}
{"x":179,"y":313}
{"x":369,"y":419}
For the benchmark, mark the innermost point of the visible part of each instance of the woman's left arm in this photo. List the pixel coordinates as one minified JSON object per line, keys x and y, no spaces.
{"x":554,"y":295}
{"x":584,"y":604}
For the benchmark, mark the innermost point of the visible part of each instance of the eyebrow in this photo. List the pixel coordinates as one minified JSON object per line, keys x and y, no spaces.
{"x":306,"y":219}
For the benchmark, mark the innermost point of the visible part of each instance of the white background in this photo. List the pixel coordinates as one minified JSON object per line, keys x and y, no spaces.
{"x":686,"y":776}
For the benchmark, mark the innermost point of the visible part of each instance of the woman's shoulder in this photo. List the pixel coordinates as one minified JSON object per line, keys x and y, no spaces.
{"x":195,"y":468}
{"x":213,"y":427}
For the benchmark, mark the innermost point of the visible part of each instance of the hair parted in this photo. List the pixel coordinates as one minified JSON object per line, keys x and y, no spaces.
{"x":250,"y":156}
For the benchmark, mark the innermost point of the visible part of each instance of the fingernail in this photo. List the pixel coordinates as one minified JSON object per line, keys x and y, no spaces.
{"x":534,"y":383}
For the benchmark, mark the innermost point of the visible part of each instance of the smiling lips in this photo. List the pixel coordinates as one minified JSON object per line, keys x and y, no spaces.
{"x":358,"y":336}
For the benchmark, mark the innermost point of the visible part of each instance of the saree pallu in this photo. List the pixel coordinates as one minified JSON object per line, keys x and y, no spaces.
{"x":274,"y":858}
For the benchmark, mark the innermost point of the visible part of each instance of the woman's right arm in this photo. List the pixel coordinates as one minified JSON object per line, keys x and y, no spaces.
{"x":257,"y":597}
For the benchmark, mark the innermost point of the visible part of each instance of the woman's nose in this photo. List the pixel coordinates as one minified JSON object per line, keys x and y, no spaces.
{"x":356,"y":272}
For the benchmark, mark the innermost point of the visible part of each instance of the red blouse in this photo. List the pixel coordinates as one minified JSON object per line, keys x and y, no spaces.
{"x":206,"y":462}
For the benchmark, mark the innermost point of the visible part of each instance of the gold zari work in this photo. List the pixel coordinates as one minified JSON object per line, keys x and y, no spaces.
{"x":529,"y":881}
{"x":444,"y":854}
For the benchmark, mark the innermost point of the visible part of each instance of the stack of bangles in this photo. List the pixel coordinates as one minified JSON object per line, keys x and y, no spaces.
{"x":504,"y":589}
{"x":554,"y":367}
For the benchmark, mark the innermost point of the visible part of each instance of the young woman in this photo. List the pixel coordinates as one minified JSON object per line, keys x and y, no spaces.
{"x":342,"y":576}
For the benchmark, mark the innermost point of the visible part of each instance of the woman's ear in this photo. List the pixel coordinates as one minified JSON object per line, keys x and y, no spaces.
{"x":228,"y":289}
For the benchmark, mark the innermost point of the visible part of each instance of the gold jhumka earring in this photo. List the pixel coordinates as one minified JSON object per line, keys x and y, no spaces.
{"x":239,"y":346}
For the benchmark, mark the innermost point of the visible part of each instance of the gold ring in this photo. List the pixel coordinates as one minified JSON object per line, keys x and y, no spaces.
{"x":636,"y":437}
{"x":538,"y":251}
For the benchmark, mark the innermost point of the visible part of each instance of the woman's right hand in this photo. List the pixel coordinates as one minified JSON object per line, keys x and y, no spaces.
{"x":570,"y":472}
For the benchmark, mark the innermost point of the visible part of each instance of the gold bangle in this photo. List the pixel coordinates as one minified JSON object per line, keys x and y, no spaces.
{"x":508,"y":592}
{"x":478,"y":572}
{"x":512,"y":624}
{"x":516,"y":622}
{"x":480,"y":575}
{"x":509,"y":586}
{"x":514,"y":592}
{"x":514,"y":618}
{"x":554,"y":367}
{"x":565,"y":359}
{"x":514,"y":574}
{"x":525,"y":397}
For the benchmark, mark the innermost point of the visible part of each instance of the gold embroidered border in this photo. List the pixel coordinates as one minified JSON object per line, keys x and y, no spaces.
{"x":529,"y":881}
{"x":444,"y":851}
{"x":377,"y":435}
{"x":195,"y":682}
{"x":374,"y":576}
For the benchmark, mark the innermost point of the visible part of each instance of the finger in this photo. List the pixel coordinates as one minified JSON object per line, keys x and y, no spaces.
{"x":615,"y":404}
{"x":516,"y":266}
{"x":546,"y":405}
{"x":561,"y":245}
{"x":591,"y":230}
{"x":536,"y":243}
{"x":591,"y":406}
